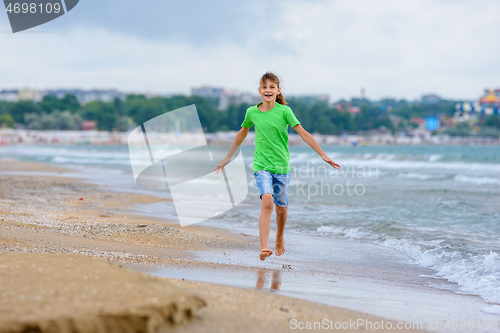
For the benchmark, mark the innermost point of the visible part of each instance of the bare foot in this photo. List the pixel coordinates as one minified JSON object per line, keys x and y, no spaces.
{"x":264,"y":253}
{"x":279,"y":247}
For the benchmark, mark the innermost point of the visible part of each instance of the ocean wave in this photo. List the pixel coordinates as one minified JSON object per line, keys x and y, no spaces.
{"x":402,"y":164}
{"x":73,"y":151}
{"x":421,"y":176}
{"x":476,"y":274}
{"x":477,"y":180}
{"x":352,"y":233}
{"x":393,"y":161}
{"x":86,"y":160}
{"x":390,"y":160}
{"x":299,"y":157}
{"x":434,"y":157}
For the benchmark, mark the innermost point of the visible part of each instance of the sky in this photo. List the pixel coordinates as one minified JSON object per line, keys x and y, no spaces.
{"x":392,"y":49}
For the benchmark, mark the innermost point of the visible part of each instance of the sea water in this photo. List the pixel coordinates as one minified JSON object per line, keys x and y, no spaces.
{"x":437,"y":205}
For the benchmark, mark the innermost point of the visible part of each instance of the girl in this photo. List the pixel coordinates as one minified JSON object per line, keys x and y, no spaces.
{"x":271,"y":166}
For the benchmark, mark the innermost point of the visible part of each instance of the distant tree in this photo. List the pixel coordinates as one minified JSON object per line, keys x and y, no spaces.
{"x":6,"y":120}
{"x":232,"y":118}
{"x":303,"y":114}
{"x":118,"y":103}
{"x":70,"y":102}
{"x":136,"y":109}
{"x":462,"y":129}
{"x":125,"y":124}
{"x":56,"y":120}
{"x":50,"y":103}
{"x":489,"y":131}
{"x":492,"y":120}
{"x":209,"y":114}
{"x":66,"y":120}
{"x":104,"y":113}
{"x":142,"y":109}
{"x":19,"y":109}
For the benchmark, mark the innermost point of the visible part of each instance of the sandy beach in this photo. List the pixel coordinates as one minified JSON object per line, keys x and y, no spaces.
{"x":59,"y":235}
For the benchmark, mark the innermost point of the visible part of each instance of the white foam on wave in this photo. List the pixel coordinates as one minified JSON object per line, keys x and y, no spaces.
{"x":421,"y":176}
{"x":408,"y":164}
{"x":434,"y":157}
{"x":68,"y":151}
{"x":352,"y":233}
{"x":394,"y":161}
{"x":476,"y":274}
{"x":86,"y":160}
{"x":477,"y":180}
{"x":311,"y":158}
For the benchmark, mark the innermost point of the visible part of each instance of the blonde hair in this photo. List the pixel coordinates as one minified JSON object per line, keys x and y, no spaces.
{"x":274,"y":78}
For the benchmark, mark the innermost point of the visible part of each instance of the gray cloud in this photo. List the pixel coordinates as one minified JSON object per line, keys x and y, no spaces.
{"x":198,"y":22}
{"x":392,"y":48}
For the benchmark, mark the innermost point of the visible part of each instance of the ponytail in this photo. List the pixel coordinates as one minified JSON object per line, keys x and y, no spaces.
{"x":281,"y":99}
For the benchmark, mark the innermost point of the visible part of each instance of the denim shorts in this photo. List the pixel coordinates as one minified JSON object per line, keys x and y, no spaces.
{"x":274,"y":183}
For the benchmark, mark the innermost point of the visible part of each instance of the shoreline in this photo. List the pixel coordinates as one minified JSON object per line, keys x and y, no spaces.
{"x":374,"y":138}
{"x":61,"y":223}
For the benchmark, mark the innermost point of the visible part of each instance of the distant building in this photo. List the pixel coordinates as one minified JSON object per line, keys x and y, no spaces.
{"x":89,"y":125}
{"x":343,"y":106}
{"x":30,"y":95}
{"x":490,"y":98}
{"x":86,"y":96}
{"x":355,"y":109}
{"x":430,"y":99}
{"x":347,"y":107}
{"x":448,"y":122}
{"x":226,"y":97}
{"x":488,"y":104}
{"x":417,"y":120}
{"x":431,"y":123}
{"x":385,"y":108}
{"x":250,"y":98}
{"x":208,"y":92}
{"x":9,"y":95}
{"x":310,"y":99}
{"x":237,"y":98}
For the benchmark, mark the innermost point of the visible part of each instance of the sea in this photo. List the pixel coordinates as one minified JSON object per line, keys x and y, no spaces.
{"x":436,"y":206}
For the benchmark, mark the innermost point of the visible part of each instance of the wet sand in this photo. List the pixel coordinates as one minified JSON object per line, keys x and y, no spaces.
{"x":43,"y":217}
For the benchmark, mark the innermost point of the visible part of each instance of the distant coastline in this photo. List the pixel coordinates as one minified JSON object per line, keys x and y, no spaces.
{"x":58,"y":137}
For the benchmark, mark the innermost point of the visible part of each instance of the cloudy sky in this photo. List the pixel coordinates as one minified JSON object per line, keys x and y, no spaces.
{"x":399,"y":49}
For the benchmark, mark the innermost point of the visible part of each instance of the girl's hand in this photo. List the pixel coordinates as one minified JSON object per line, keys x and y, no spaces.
{"x":329,"y":161}
{"x":220,"y":166}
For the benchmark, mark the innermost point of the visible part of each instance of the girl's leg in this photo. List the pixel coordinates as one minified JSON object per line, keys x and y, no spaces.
{"x":264,"y":182}
{"x":265,"y":224}
{"x":281,"y":184}
{"x":281,"y":216}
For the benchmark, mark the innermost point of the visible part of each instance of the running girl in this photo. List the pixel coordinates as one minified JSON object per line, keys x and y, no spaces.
{"x":271,"y":166}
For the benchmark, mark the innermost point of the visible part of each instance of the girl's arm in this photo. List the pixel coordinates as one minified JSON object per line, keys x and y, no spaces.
{"x":238,"y":140}
{"x":308,"y":138}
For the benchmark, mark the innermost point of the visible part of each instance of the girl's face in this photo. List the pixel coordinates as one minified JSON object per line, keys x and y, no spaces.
{"x":269,"y":90}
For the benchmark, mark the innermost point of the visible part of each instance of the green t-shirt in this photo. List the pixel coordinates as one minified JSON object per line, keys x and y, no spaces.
{"x":271,"y":137}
